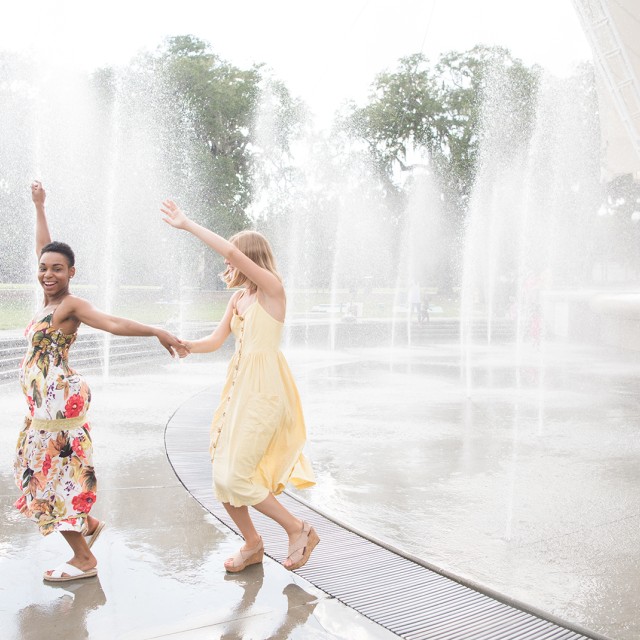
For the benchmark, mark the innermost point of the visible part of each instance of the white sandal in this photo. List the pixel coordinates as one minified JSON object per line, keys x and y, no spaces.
{"x":73,"y":573}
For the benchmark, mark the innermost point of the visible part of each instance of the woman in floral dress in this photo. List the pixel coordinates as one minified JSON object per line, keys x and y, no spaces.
{"x":54,"y":463}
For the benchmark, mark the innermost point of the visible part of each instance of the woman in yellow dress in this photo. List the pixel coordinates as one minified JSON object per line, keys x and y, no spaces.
{"x":258,"y":431}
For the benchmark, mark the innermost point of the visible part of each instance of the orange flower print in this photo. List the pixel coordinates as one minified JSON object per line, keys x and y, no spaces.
{"x":82,"y":503}
{"x":76,"y":445}
{"x":32,"y":404}
{"x":20,"y":503}
{"x":46,"y":465}
{"x":74,"y":406}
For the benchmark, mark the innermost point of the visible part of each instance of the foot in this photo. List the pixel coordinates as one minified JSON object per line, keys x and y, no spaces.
{"x":244,"y":557}
{"x":301,"y":547}
{"x":72,"y":570}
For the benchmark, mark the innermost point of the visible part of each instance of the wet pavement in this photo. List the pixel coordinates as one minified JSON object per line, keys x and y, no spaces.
{"x":160,"y":558}
{"x":528,"y":485}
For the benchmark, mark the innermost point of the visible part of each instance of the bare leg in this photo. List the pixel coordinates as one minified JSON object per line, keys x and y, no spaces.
{"x":272,"y":508}
{"x":240,"y":515}
{"x":83,"y":559}
{"x":92,"y":524}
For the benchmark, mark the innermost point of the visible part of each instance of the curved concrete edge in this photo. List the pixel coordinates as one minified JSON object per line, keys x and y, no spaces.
{"x":466,"y":582}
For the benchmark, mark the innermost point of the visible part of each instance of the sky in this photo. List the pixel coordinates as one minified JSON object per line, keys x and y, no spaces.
{"x":326,"y":52}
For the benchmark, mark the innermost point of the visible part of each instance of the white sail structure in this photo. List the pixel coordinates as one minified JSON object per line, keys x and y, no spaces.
{"x":613,"y":30}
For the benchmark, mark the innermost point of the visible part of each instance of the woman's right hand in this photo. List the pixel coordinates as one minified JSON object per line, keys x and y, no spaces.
{"x":172,"y":344}
{"x":174,"y":215}
{"x":38,"y":194}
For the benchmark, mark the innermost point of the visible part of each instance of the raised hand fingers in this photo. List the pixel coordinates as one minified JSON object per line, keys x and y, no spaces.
{"x":169,"y":206}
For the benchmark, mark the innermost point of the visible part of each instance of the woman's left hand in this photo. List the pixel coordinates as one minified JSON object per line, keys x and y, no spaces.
{"x":172,"y":344}
{"x":174,"y":215}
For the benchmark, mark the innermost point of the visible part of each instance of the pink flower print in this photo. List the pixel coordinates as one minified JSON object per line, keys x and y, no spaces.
{"x":76,"y":445}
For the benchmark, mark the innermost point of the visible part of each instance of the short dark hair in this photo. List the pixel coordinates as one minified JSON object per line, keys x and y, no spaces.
{"x":60,"y":247}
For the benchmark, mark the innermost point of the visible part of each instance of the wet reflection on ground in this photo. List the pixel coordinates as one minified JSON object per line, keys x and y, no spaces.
{"x":68,"y":612}
{"x":530,"y":484}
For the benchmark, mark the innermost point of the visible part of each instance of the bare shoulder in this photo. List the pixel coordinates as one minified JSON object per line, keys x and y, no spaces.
{"x":71,"y":304}
{"x":233,"y":300}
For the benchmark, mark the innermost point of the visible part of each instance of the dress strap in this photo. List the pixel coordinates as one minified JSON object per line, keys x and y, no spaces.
{"x":235,"y":302}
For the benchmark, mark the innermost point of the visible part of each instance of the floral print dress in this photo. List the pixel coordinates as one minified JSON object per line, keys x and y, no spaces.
{"x":53,"y":464}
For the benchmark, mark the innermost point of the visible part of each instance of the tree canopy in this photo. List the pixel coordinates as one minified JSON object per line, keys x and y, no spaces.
{"x":438,"y":108}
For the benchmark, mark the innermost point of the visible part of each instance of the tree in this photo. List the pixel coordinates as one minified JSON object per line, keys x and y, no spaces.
{"x":437,"y":109}
{"x":219,"y":100}
{"x":420,"y":110}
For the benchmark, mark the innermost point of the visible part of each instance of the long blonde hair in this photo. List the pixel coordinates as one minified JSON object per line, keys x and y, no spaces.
{"x":256,"y":247}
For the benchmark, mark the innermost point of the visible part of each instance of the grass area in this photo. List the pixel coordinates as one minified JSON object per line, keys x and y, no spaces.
{"x":153,"y":306}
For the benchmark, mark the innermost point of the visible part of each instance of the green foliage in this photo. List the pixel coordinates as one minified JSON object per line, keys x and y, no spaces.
{"x":219,"y":100}
{"x":437,"y":108}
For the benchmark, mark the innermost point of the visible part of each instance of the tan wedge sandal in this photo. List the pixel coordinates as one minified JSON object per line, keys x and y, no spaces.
{"x":245,"y":557}
{"x":301,"y":549}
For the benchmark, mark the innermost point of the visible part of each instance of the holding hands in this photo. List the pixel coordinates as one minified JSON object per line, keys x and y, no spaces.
{"x":172,"y":344}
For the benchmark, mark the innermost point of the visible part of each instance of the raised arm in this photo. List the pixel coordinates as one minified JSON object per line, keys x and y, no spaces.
{"x":263,"y":278}
{"x":214,"y":341}
{"x":38,"y":195}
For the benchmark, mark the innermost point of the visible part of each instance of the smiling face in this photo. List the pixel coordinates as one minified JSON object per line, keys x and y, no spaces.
{"x":54,"y":273}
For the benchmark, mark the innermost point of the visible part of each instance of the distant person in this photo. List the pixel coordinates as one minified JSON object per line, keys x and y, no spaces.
{"x":414,"y":298}
{"x":258,"y":429}
{"x":424,"y":306}
{"x":54,"y":455}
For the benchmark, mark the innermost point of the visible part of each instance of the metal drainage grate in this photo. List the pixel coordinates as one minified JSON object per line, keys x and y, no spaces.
{"x":403,"y":594}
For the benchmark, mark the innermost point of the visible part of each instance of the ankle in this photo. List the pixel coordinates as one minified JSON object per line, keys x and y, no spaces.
{"x":84,"y":557}
{"x":251,"y":541}
{"x":295,"y":529}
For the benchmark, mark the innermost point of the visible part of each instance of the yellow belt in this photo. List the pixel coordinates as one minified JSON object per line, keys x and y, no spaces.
{"x":62,"y":424}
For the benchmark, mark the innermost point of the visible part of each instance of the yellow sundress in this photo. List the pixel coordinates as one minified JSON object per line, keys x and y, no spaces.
{"x":258,"y":429}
